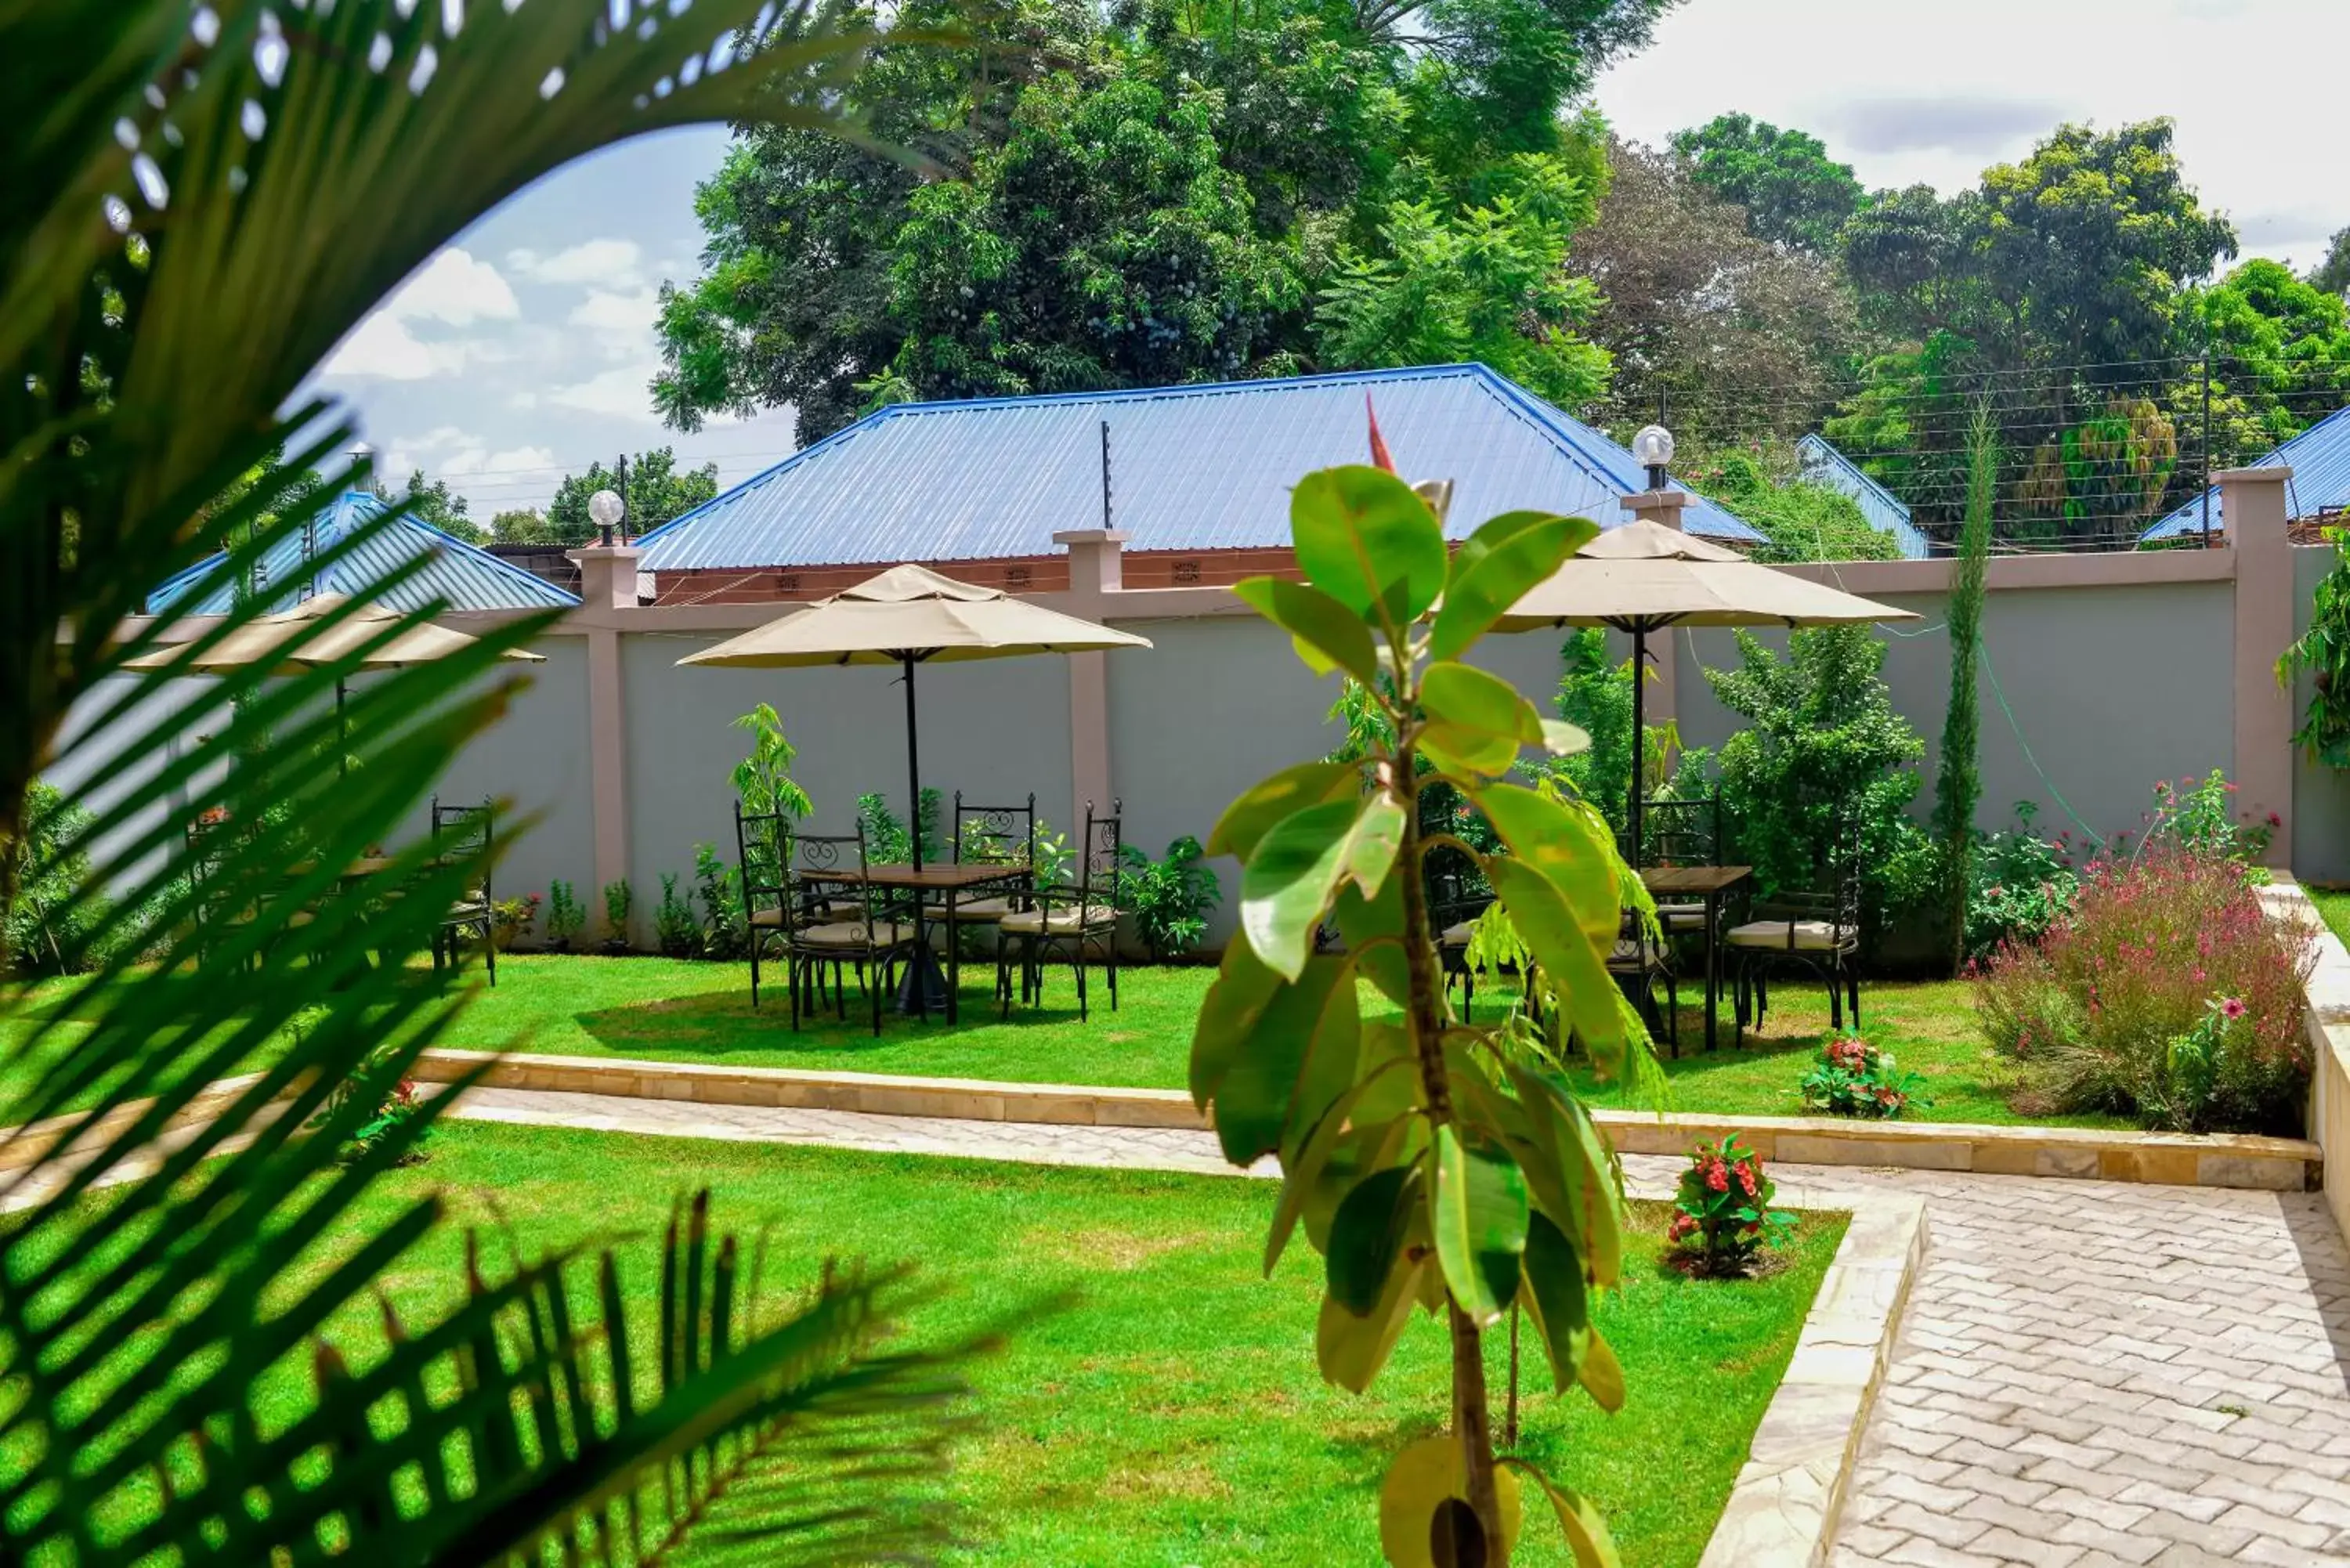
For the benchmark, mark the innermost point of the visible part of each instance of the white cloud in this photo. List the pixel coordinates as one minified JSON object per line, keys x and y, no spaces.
{"x":622,"y":392}
{"x":383,"y":347}
{"x":457,"y":288}
{"x":624,"y":321}
{"x":615,"y":264}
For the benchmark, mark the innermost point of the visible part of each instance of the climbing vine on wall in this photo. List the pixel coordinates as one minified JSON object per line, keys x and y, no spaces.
{"x":2323,"y":653}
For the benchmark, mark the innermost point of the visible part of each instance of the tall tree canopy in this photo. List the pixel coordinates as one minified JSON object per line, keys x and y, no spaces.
{"x":1159,"y":192}
{"x":1792,"y":191}
{"x":2333,"y":274}
{"x":433,"y":502}
{"x":658,"y":491}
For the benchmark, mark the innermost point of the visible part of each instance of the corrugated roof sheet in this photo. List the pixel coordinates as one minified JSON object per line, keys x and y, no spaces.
{"x":461,"y":575}
{"x":1191,"y":468}
{"x":2320,"y":457}
{"x":1822,"y":463}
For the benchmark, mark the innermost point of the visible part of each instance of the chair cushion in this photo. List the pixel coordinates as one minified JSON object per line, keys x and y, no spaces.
{"x":851,"y":934}
{"x":1456,"y":936}
{"x":1810,"y":935}
{"x":1059,"y":922}
{"x":1627,"y":953}
{"x":1681,"y":917}
{"x":983,"y":909}
{"x":767,"y":919}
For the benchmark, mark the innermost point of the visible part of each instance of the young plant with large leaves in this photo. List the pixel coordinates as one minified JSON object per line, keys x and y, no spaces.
{"x":1436,"y":1167}
{"x":201,"y":200}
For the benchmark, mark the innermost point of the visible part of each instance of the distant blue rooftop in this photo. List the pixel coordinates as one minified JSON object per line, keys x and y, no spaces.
{"x":460,"y":575}
{"x":1822,"y":463}
{"x":2320,"y":458}
{"x":1191,"y":468}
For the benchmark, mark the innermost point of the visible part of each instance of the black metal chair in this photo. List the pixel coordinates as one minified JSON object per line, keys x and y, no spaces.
{"x":1002,"y":836}
{"x":816,"y":934}
{"x":219,"y":907}
{"x":1815,"y":931}
{"x":1682,"y":832}
{"x":466,"y":833}
{"x":1642,"y":964}
{"x":1453,"y":911}
{"x":1069,"y":920}
{"x":762,"y":847}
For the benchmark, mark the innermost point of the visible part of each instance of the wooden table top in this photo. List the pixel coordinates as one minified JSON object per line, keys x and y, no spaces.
{"x":1697,"y":879}
{"x":936,"y":879}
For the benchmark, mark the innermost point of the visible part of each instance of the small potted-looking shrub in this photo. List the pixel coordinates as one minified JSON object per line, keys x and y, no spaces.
{"x":1722,"y":1219}
{"x":510,"y":917}
{"x":1854,"y":1079}
{"x":565,"y":917}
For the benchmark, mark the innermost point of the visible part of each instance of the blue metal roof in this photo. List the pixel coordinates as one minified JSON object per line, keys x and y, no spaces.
{"x":2320,"y":457}
{"x":461,"y":576}
{"x":1822,"y":463}
{"x":1191,"y":468}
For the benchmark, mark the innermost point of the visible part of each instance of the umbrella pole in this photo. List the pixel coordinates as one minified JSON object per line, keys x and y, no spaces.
{"x":913,"y":773}
{"x":1639,"y":737}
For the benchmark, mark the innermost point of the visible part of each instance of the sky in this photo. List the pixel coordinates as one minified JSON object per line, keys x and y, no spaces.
{"x":521,"y":351}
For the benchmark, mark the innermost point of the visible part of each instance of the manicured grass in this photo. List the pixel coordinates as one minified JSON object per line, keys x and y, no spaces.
{"x":2333,"y":903}
{"x":1172,"y":1413}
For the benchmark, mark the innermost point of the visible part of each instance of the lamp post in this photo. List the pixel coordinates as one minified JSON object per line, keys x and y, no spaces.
{"x":1653,"y":450}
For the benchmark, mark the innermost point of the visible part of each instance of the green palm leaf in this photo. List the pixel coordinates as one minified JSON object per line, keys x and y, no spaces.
{"x":202,"y":200}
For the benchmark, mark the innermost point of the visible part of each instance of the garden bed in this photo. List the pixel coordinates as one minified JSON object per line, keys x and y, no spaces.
{"x":1172,"y":1413}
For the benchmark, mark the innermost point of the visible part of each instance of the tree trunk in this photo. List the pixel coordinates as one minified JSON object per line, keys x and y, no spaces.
{"x":1471,"y":1418}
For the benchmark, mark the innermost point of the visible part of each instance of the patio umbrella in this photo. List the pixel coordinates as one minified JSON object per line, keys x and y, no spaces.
{"x":910,"y":616}
{"x":1643,"y":577}
{"x":266,"y":641}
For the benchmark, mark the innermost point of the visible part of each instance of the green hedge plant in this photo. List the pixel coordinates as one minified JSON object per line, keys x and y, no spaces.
{"x":1436,"y":1167}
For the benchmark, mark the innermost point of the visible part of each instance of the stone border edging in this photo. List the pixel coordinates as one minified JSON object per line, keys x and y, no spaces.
{"x":2328,"y":1032}
{"x":1784,"y":1506}
{"x":2181,"y":1159}
{"x":30,"y":1142}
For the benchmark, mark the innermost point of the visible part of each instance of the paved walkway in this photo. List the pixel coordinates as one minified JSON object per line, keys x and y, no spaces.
{"x":2090,"y":1374}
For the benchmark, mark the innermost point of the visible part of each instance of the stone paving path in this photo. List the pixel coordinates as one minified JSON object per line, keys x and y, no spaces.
{"x":2090,"y":1374}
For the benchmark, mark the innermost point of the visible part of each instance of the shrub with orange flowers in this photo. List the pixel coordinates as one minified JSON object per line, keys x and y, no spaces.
{"x":1722,"y":1216}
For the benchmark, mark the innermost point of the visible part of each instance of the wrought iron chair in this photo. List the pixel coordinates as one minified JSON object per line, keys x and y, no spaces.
{"x":762,"y":848}
{"x":1454,"y":910}
{"x":1642,"y":965}
{"x":814,"y":934}
{"x":1068,"y":919}
{"x":1683,"y":833}
{"x":1817,"y":932}
{"x":1002,"y":836}
{"x":466,"y":833}
{"x":219,"y":907}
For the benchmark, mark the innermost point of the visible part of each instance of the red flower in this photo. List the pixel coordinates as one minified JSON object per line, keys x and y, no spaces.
{"x":1717,"y":1176}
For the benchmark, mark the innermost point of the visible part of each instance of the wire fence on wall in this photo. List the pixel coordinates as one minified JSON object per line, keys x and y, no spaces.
{"x":2086,"y":457}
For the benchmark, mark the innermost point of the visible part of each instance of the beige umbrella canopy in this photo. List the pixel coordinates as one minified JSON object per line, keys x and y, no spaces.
{"x":1644,"y":576}
{"x":271,"y":640}
{"x":910,"y":616}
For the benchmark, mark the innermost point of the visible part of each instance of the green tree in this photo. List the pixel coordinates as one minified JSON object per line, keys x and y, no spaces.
{"x":2333,"y":274}
{"x":658,"y":491}
{"x":435,"y":505}
{"x":1434,"y":1164}
{"x":1794,"y":193}
{"x":1957,"y":784}
{"x":2281,"y":345}
{"x":520,"y":524}
{"x":1486,"y":285}
{"x":150,"y":362}
{"x":1799,"y":520}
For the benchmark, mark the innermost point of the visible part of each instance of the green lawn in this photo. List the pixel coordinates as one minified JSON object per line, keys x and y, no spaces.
{"x":1172,"y":1413}
{"x":2333,"y":903}
{"x":688,"y":1012}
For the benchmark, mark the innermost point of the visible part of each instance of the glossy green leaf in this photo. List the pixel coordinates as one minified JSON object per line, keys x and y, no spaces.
{"x":1301,"y":1172}
{"x":1477,"y":1214}
{"x":1601,"y":1375}
{"x":1248,"y":819}
{"x":1350,"y":1347}
{"x":1362,"y":922}
{"x":1366,"y":1237}
{"x":1577,"y":971}
{"x":1296,"y":1055}
{"x":1228,"y":1015}
{"x":1328,"y":636}
{"x":1587,"y":1532}
{"x":1571,"y":1173}
{"x":1365,"y":539}
{"x":1297,"y":867}
{"x":1556,"y":1298}
{"x":1372,"y":1143}
{"x":1566,"y":845}
{"x":1495,"y":568}
{"x":1476,"y":724}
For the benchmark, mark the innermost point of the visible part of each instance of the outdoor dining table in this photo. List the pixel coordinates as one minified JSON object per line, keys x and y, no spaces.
{"x":946,"y":884}
{"x":1710,"y":883}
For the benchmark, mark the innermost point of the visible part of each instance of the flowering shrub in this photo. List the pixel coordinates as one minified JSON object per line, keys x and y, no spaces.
{"x":2198,"y":814}
{"x":1723,"y":1214}
{"x":2018,"y":884}
{"x":2096,"y":1005}
{"x":1853,"y":1079}
{"x":510,"y":917}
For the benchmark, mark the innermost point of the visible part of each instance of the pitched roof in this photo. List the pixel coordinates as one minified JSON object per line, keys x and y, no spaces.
{"x":461,"y":576}
{"x":1822,"y":463}
{"x":1190,"y":468}
{"x":2320,"y":457}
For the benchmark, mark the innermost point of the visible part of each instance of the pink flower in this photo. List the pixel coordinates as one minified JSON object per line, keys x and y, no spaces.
{"x":2275,"y":821}
{"x":2232,"y":1008}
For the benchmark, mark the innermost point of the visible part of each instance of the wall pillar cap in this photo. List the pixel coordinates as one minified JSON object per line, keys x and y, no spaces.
{"x":1091,"y":536}
{"x":2268,"y":474}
